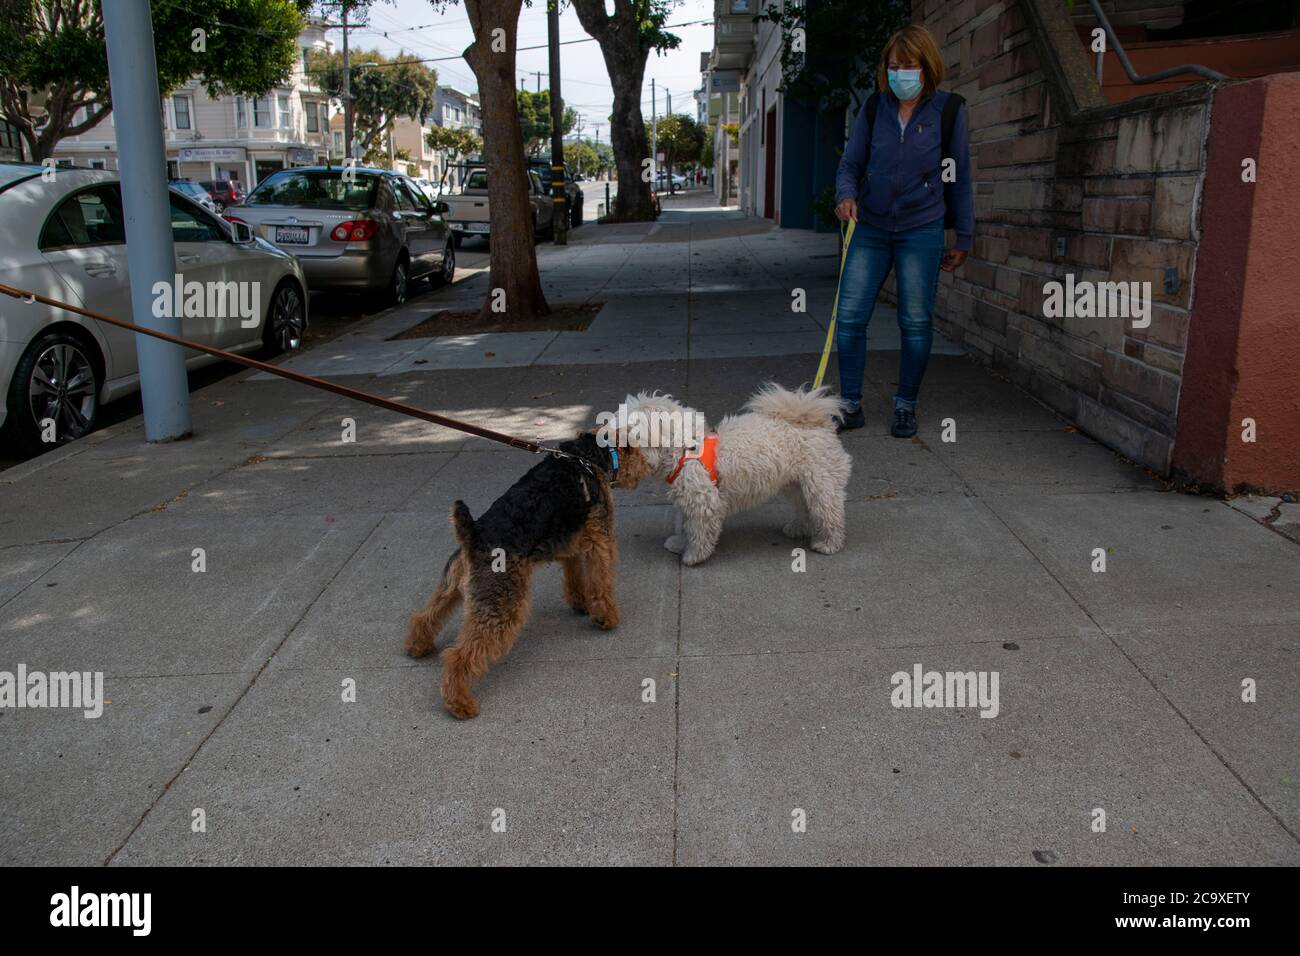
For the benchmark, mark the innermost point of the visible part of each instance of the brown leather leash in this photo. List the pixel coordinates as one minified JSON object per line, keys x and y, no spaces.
{"x":353,"y":393}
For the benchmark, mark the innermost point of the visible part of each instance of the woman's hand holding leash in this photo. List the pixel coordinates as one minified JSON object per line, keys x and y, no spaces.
{"x":953,"y":260}
{"x":847,"y":209}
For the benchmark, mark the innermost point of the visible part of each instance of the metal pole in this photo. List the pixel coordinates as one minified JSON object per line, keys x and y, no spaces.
{"x":654,"y":135}
{"x":347,"y":88}
{"x":559,"y":199}
{"x":133,"y":78}
{"x":669,"y":112}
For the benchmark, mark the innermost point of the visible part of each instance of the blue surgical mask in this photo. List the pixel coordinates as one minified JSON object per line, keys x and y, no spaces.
{"x":906,"y":84}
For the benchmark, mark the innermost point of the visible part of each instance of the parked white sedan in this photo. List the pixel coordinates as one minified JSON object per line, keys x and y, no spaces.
{"x":64,"y":237}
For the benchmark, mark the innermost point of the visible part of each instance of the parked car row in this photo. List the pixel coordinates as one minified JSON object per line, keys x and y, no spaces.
{"x":353,"y":228}
{"x":66,"y":239}
{"x":467,"y":212}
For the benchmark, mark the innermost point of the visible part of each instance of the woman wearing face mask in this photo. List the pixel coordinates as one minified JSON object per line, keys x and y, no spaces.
{"x":891,"y":184}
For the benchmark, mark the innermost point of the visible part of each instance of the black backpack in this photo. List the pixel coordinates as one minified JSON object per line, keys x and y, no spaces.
{"x":950,"y":108}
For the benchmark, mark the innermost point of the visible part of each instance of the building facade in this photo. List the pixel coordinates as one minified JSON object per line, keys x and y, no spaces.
{"x":774,"y":156}
{"x":454,"y":109}
{"x":229,"y":137}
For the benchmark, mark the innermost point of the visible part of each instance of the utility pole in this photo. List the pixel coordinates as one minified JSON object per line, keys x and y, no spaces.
{"x":347,"y":88}
{"x":669,"y":112}
{"x":133,"y":77}
{"x":654,"y":135}
{"x":559,"y":200}
{"x":539,"y":74}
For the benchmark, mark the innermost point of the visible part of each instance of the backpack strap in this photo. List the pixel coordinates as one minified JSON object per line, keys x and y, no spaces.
{"x":949,"y":121}
{"x":951,"y":107}
{"x":872,"y":107}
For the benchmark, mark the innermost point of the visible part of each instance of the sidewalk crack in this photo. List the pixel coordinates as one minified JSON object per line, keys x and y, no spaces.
{"x":244,"y":693}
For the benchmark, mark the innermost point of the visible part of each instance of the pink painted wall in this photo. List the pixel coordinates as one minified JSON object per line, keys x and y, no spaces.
{"x":1268,"y":348}
{"x":1243,"y":349}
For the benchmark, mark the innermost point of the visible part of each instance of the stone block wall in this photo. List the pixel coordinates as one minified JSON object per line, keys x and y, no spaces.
{"x":1111,"y":197}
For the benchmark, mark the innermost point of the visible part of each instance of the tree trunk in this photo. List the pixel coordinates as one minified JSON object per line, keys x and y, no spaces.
{"x":618,"y":37}
{"x":634,"y":201}
{"x":515,"y":292}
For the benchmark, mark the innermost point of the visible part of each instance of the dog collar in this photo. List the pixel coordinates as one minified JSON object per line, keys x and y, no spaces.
{"x":706,"y":455}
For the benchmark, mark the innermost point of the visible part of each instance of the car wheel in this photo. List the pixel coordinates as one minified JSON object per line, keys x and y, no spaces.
{"x":395,"y":292}
{"x":447,"y":273}
{"x":286,"y":318}
{"x":58,"y":380}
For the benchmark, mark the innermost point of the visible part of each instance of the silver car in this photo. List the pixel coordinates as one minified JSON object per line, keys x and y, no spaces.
{"x":63,"y":236}
{"x":366,"y":230}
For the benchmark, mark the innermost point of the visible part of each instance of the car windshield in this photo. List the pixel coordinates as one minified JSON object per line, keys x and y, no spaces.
{"x":477,"y":180}
{"x":323,"y":187}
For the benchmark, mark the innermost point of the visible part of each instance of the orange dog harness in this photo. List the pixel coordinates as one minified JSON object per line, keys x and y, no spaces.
{"x":706,"y":455}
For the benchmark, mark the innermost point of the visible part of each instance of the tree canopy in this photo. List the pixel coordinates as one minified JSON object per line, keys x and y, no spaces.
{"x":54,"y":63}
{"x":831,"y":50}
{"x":383,"y":88}
{"x":535,"y":120}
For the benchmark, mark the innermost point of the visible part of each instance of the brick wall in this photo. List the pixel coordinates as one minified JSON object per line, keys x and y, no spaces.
{"x":1111,"y":198}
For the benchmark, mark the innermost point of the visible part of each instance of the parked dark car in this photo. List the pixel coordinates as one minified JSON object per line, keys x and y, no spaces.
{"x":224,"y":192}
{"x":571,"y":188}
{"x":192,"y":190}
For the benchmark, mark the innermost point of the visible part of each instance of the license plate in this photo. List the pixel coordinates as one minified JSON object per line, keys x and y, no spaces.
{"x":476,"y":227}
{"x":293,"y":235}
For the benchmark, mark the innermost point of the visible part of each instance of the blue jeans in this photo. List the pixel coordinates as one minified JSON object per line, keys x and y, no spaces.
{"x":916,"y":254}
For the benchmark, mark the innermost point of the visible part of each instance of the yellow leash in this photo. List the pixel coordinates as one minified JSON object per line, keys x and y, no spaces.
{"x":830,"y":332}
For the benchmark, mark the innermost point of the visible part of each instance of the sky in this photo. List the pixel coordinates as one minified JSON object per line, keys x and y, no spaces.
{"x":415,"y":27}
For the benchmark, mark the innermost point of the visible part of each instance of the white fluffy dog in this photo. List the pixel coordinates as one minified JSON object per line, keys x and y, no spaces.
{"x":785,"y":443}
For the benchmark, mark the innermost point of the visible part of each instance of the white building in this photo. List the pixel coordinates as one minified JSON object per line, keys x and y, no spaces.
{"x":786,"y":154}
{"x":230,"y":137}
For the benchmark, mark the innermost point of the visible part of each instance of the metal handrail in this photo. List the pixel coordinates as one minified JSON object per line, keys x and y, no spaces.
{"x":1204,"y":71}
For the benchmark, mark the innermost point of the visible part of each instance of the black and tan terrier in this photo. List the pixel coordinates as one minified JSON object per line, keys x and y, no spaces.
{"x":561,"y":510}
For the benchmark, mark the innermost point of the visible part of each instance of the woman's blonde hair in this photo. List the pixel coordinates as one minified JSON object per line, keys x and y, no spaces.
{"x":913,"y":42}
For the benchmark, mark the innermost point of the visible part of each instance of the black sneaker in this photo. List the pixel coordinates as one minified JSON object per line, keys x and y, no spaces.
{"x":904,"y":423}
{"x":847,"y":421}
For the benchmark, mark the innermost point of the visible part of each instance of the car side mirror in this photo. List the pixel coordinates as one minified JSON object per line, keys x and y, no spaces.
{"x":242,"y":233}
{"x":441,"y":208}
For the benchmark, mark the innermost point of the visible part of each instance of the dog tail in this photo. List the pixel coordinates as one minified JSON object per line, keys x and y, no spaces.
{"x":803,"y":407}
{"x":462,"y":522}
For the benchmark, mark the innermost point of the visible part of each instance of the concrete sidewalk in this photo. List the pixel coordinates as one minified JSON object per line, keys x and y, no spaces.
{"x":1119,"y":691}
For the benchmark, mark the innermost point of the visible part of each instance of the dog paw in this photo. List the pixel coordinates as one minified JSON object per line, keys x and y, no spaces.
{"x":795,"y":529}
{"x":606,"y":622}
{"x":676,"y":544}
{"x":692,"y":558}
{"x":827,"y":547}
{"x":463,"y":708}
{"x":418,"y":645}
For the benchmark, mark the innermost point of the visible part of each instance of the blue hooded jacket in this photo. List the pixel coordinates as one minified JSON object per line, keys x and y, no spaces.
{"x":903,"y":185}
